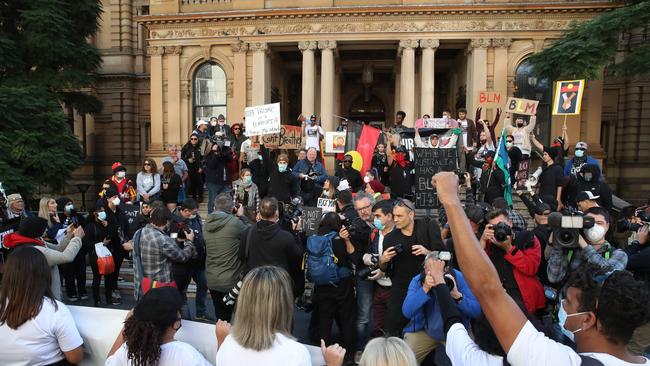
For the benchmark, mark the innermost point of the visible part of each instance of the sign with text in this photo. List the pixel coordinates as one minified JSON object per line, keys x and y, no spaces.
{"x":489,"y":99}
{"x":436,"y":123}
{"x":311,"y":219}
{"x":428,"y":162}
{"x":8,"y":227}
{"x":289,"y":137}
{"x":262,"y":119}
{"x":335,"y":142}
{"x":326,"y":205}
{"x":568,"y":97}
{"x":521,"y":106}
{"x":131,"y":211}
{"x":522,"y":175}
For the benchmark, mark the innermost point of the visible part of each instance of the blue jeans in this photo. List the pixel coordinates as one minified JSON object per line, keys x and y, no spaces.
{"x":201,"y":291}
{"x":365,"y":291}
{"x":214,"y":190}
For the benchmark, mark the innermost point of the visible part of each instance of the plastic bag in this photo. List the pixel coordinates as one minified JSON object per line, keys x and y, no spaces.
{"x":105,"y":262}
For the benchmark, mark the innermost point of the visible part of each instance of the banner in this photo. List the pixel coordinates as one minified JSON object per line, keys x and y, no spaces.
{"x":407,"y":137}
{"x":326,"y":205}
{"x":522,"y":175}
{"x":521,"y":106}
{"x":489,"y":99}
{"x":427,"y":163}
{"x":262,"y":119}
{"x":436,"y":123}
{"x":289,"y":137}
{"x":335,"y":142}
{"x":311,"y":219}
{"x":568,"y":97}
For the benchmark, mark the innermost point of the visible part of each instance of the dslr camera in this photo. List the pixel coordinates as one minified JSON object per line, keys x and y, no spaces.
{"x":293,"y":210}
{"x":627,"y":225}
{"x":366,"y":271}
{"x":502,"y":231}
{"x":349,"y":224}
{"x":179,"y":231}
{"x":445,"y":257}
{"x":566,"y":229}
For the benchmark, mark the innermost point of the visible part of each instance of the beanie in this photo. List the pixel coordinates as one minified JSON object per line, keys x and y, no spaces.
{"x":32,"y":227}
{"x":376,"y":186}
{"x":111,"y":192}
{"x":117,"y":166}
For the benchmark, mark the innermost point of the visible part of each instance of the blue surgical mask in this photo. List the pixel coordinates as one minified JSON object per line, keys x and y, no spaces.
{"x":102,"y":215}
{"x":580,"y":153}
{"x":69,"y":208}
{"x":378,"y":224}
{"x":562,"y":316}
{"x":247,"y":179}
{"x":282,"y":167}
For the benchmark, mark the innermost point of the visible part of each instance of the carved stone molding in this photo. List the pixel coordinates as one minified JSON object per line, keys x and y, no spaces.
{"x":155,"y":51}
{"x":239,"y":47}
{"x":173,"y":50}
{"x":258,"y":46}
{"x":429,"y":43}
{"x":230,"y":87}
{"x":186,"y":90}
{"x":408,"y":44}
{"x":307,"y":45}
{"x":327,"y":45}
{"x":480,"y":43}
{"x":501,"y":42}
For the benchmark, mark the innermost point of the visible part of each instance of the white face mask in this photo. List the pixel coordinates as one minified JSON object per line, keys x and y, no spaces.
{"x":121,"y":174}
{"x":595,"y":233}
{"x":116,"y":201}
{"x":367,"y":179}
{"x":192,"y":217}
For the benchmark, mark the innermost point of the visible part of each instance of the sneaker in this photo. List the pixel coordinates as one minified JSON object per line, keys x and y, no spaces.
{"x":115,"y":301}
{"x":73,"y":298}
{"x":83,"y":297}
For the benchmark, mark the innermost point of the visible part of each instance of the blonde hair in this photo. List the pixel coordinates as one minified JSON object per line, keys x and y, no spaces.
{"x":44,"y":210}
{"x":387,"y":352}
{"x":264,"y":307}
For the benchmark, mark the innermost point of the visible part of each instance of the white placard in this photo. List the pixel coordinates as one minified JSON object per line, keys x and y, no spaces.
{"x":327,"y":205}
{"x":262,"y":119}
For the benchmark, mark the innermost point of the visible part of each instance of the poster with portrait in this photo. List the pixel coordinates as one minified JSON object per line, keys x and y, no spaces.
{"x":568,"y":97}
{"x":335,"y":142}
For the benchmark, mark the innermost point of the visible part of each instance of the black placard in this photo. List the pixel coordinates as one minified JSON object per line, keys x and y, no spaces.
{"x":522,"y":175}
{"x":427,"y":163}
{"x":311,"y":219}
{"x":131,"y":211}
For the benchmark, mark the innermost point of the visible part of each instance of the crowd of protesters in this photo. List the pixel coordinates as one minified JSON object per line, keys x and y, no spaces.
{"x":383,"y":283}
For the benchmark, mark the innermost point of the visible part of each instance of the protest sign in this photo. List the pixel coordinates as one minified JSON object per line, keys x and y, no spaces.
{"x":521,"y":106}
{"x":326,"y":205}
{"x":436,"y":123}
{"x":8,"y":227}
{"x":522,"y":175}
{"x":262,"y":119}
{"x":568,"y":97}
{"x":335,"y":142}
{"x":427,"y":163}
{"x":311,"y":219}
{"x":489,"y":99}
{"x":131,"y":211}
{"x":289,"y":137}
{"x":407,"y":137}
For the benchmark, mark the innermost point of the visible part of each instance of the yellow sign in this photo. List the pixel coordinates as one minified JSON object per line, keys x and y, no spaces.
{"x":568,"y":97}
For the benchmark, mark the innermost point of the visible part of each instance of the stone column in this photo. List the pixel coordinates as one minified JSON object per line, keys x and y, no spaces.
{"x":239,"y":98}
{"x":327,"y":84}
{"x":174,"y":134}
{"x":478,"y":82}
{"x":261,"y":86}
{"x":407,"y":83}
{"x":501,"y":46}
{"x":156,"y":54}
{"x":427,"y":73}
{"x":308,"y":76}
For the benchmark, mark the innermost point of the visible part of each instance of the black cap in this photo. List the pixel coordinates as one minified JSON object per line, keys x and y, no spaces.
{"x":586,"y":195}
{"x":32,"y":227}
{"x":542,"y":207}
{"x":111,"y":192}
{"x":159,"y":306}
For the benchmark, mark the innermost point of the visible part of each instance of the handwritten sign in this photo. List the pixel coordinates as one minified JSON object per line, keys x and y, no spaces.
{"x":311,"y":219}
{"x":568,"y":97}
{"x":131,"y":211}
{"x":522,"y":174}
{"x":326,"y":205}
{"x":428,"y":162}
{"x":489,"y":99}
{"x":335,"y":142}
{"x":289,"y":137}
{"x":521,"y":106}
{"x":437,"y":123}
{"x":262,"y":119}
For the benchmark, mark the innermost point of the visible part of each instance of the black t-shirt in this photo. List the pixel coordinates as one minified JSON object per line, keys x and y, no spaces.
{"x":401,"y":179}
{"x":404,"y":266}
{"x":550,"y":179}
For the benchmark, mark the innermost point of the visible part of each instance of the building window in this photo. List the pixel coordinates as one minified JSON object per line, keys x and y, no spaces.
{"x":529,"y":86}
{"x":209,"y":91}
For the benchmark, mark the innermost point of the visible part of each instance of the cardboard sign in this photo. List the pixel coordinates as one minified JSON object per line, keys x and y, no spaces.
{"x":262,"y":119}
{"x":326,"y":205}
{"x":568,"y":97}
{"x":521,"y":106}
{"x":311,"y":219}
{"x":436,"y":123}
{"x":335,"y":142}
{"x":428,"y":162}
{"x":489,"y":99}
{"x":289,"y":137}
{"x":522,"y":175}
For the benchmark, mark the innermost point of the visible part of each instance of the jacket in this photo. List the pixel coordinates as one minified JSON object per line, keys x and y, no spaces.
{"x":283,"y":186}
{"x":239,"y":191}
{"x":222,"y":234}
{"x":270,"y":245}
{"x":196,"y":224}
{"x":596,"y":186}
{"x":193,"y":152}
{"x":153,"y":190}
{"x":215,"y":166}
{"x":304,"y":167}
{"x":573,"y":165}
{"x":423,"y":311}
{"x":562,"y":261}
{"x":353,"y":177}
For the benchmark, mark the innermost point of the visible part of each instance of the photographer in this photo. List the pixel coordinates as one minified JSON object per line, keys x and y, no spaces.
{"x":363,"y":203}
{"x":425,"y":330}
{"x":638,"y":253}
{"x":216,"y":176}
{"x":312,"y":176}
{"x":357,"y":228}
{"x":592,"y":248}
{"x":516,"y":256}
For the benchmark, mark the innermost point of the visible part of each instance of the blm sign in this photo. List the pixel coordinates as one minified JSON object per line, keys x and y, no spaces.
{"x":428,"y":162}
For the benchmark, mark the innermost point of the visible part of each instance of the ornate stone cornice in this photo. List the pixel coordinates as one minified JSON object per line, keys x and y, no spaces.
{"x":501,"y":42}
{"x":258,"y":46}
{"x":408,"y":44}
{"x":155,"y":51}
{"x":479,"y":43}
{"x":326,"y":45}
{"x":307,"y":45}
{"x":429,"y":43}
{"x":173,"y":50}
{"x":239,"y":47}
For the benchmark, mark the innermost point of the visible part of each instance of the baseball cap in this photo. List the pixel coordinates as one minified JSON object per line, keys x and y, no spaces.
{"x":117,"y":166}
{"x":582,"y":145}
{"x":201,"y":123}
{"x":586,"y":195}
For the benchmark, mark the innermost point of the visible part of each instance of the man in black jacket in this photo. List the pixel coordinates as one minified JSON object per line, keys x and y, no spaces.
{"x":216,"y":175}
{"x":191,"y":154}
{"x":352,"y":175}
{"x":358,"y":229}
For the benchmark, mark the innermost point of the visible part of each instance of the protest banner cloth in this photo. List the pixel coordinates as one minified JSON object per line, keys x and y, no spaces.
{"x":428,"y":162}
{"x":326,"y":205}
{"x":489,"y":99}
{"x":568,"y":97}
{"x":289,"y":137}
{"x":311,"y":219}
{"x":262,"y":119}
{"x":436,"y":123}
{"x":522,"y":175}
{"x":521,"y":106}
{"x":335,"y":142}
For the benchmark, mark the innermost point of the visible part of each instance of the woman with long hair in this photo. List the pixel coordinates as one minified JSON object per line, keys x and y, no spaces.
{"x":147,"y":338}
{"x":97,"y":231}
{"x":35,"y":328}
{"x":245,"y":193}
{"x":171,"y":185}
{"x":390,"y":351}
{"x":148,"y":181}
{"x":47,"y":209}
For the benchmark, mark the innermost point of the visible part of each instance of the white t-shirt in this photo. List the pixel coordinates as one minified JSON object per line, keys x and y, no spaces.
{"x":313,"y":136}
{"x":284,"y":352}
{"x":41,"y":340}
{"x":171,"y":354}
{"x":383,"y":280}
{"x":533,"y":348}
{"x":251,"y":153}
{"x":462,"y":350}
{"x":464,"y":124}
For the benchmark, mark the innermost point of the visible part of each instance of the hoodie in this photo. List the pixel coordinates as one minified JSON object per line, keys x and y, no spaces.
{"x":270,"y":245}
{"x":596,"y":186}
{"x":222,"y":232}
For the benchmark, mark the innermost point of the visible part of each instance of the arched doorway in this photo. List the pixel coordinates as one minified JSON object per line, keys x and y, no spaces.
{"x":370,"y":110}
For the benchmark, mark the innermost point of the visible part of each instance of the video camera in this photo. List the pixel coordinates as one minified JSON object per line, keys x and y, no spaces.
{"x":220,"y":140}
{"x":566,"y":229}
{"x":179,"y":230}
{"x":627,"y":225}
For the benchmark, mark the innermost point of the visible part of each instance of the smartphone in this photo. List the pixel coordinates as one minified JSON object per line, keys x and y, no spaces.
{"x":173,"y":235}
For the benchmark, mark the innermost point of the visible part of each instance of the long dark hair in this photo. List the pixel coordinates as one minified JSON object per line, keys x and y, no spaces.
{"x":25,"y":284}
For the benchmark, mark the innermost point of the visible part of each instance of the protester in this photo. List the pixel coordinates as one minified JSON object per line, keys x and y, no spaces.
{"x":468,"y":129}
{"x":125,"y":187}
{"x":96,"y":231}
{"x":492,"y":180}
{"x":398,"y":126}
{"x":521,"y":132}
{"x":312,"y":176}
{"x":201,"y":131}
{"x":191,"y":155}
{"x":389,"y":351}
{"x":148,"y":182}
{"x":180,"y":168}
{"x":16,"y":207}
{"x":551,"y":180}
{"x":147,"y":337}
{"x":143,"y":217}
{"x":219,"y":127}
{"x":515,"y":156}
{"x":171,"y":185}
{"x":73,"y":273}
{"x":380,"y":163}
{"x":301,"y":155}
{"x":573,"y":166}
{"x":222,"y":232}
{"x":246,"y":193}
{"x":350,"y":174}
{"x":401,"y":177}
{"x":282,"y":182}
{"x":47,"y":210}
{"x":248,"y":153}
{"x":215,"y":172}
{"x":586,"y":200}
{"x":236,"y":138}
{"x":117,"y":229}
{"x":329,"y":187}
{"x":313,"y":133}
{"x":588,"y":179}
{"x":35,"y":328}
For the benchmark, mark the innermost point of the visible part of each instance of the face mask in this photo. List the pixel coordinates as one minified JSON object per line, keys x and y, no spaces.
{"x":260,"y":157}
{"x":520,"y":124}
{"x":367,"y":179}
{"x":247,"y":179}
{"x":101,"y":216}
{"x":562,"y":316}
{"x":378,"y":224}
{"x":580,"y":153}
{"x":508,"y":144}
{"x":121,"y":174}
{"x":192,"y":217}
{"x":221,"y":123}
{"x":69,"y":208}
{"x":116,"y":201}
{"x":595,"y":233}
{"x":213,"y":123}
{"x":282,"y":167}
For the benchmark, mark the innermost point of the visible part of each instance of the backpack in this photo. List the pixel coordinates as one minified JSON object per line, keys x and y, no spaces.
{"x":321,"y":264}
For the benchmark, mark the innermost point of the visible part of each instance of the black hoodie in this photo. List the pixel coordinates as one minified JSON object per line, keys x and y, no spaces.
{"x":270,"y":245}
{"x":596,"y":186}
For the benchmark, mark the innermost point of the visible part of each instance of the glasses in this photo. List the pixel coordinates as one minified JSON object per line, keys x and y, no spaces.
{"x":236,"y":129}
{"x":404,"y":203}
{"x":193,"y":139}
{"x":147,"y":164}
{"x":510,"y":141}
{"x":364,"y":208}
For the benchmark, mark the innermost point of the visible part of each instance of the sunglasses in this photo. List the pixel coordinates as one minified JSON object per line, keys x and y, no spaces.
{"x":147,"y":164}
{"x":236,"y":129}
{"x":509,"y":141}
{"x":193,"y":139}
{"x":403,"y":203}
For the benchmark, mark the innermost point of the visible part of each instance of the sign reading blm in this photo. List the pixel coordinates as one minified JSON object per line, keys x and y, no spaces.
{"x":428,"y":162}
